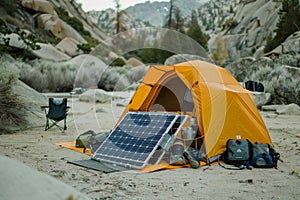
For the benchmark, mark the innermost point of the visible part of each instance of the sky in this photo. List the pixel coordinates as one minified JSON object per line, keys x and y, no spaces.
{"x":88,"y":5}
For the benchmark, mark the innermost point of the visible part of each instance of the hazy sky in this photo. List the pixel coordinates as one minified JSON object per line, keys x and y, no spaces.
{"x":104,"y":4}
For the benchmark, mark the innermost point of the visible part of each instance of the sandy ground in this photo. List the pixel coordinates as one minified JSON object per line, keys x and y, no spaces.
{"x":36,"y":149}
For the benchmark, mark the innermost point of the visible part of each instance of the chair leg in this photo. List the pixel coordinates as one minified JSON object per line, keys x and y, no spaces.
{"x":55,"y":123}
{"x":65,"y":123}
{"x":47,"y":124}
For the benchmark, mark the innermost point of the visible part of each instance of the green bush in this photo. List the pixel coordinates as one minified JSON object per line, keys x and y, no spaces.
{"x":118,"y":62}
{"x":10,"y":6}
{"x":230,"y":23}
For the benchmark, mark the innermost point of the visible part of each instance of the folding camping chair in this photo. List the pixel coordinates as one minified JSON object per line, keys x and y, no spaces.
{"x":55,"y":112}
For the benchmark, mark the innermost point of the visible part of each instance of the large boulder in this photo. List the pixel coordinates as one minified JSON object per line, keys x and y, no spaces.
{"x":89,"y":70}
{"x":134,"y":62}
{"x":292,"y":44}
{"x":39,"y":6}
{"x":14,"y":40}
{"x":58,"y":27}
{"x":69,"y":46}
{"x":32,"y":102}
{"x":261,"y":98}
{"x":291,"y":109}
{"x":270,"y":107}
{"x":19,"y":181}
{"x":49,"y":52}
{"x":74,"y":9}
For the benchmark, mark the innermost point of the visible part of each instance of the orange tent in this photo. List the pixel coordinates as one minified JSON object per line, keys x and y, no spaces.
{"x":223,"y":108}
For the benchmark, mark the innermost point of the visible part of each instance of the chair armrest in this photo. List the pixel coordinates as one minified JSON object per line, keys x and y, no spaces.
{"x":68,"y":108}
{"x":44,"y":107}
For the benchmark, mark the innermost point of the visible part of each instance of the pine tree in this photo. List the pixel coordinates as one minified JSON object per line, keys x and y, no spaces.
{"x":289,"y":22}
{"x":221,"y":53}
{"x":119,"y":21}
{"x":196,"y":33}
{"x":170,"y":15}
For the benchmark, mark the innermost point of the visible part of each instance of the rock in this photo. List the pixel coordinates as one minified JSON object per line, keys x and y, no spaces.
{"x":39,"y":5}
{"x":32,"y":101}
{"x":134,"y":62}
{"x":261,"y":99}
{"x":120,"y":194}
{"x":103,"y":110}
{"x":179,"y":58}
{"x":292,"y":44}
{"x":113,"y":55}
{"x":69,"y":46}
{"x":31,"y":184}
{"x":270,"y":107}
{"x":14,"y":40}
{"x":49,"y":52}
{"x":58,"y":27}
{"x":291,"y":109}
{"x":95,"y":95}
{"x":89,"y":70}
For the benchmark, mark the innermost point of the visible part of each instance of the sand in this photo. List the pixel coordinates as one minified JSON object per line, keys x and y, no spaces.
{"x":36,"y":149}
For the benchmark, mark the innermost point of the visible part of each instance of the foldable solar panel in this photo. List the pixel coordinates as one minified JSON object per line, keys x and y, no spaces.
{"x":135,"y":139}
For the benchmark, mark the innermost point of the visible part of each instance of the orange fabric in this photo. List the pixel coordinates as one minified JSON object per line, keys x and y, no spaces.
{"x":71,"y":145}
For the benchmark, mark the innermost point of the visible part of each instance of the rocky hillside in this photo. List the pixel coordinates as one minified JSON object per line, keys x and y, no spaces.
{"x":213,"y":14}
{"x":247,"y":32}
{"x":56,"y":26}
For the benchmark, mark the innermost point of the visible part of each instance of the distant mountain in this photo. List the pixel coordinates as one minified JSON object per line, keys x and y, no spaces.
{"x":145,"y":14}
{"x":156,"y":12}
{"x":105,"y":20}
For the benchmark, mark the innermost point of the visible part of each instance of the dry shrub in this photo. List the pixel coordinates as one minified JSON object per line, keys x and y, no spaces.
{"x":283,"y":82}
{"x":48,"y":76}
{"x":89,"y":74}
{"x":12,"y":113}
{"x":119,"y":78}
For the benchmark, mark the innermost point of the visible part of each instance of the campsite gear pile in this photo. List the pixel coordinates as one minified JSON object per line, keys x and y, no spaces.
{"x":89,"y":139}
{"x":242,"y":153}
